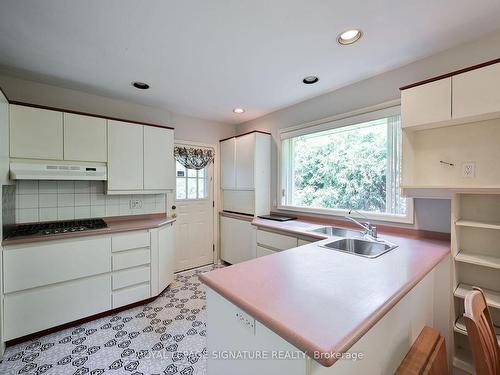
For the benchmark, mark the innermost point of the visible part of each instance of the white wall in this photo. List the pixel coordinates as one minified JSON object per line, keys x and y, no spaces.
{"x":186,"y":128}
{"x":430,"y":215}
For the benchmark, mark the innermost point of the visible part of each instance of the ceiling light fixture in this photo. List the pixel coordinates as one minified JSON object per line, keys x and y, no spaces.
{"x":349,"y":36}
{"x":239,"y":110}
{"x":309,"y":80}
{"x":140,"y":85}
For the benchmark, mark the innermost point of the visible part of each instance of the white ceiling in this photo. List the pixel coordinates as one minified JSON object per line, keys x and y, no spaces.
{"x":203,"y":58}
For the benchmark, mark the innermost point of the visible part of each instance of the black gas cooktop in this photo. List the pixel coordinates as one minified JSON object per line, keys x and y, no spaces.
{"x":56,"y":227}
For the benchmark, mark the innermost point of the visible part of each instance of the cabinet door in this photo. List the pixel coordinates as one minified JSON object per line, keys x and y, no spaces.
{"x":476,"y":92}
{"x":262,"y":251}
{"x":158,"y":158}
{"x":125,"y":156}
{"x":237,"y":240}
{"x":4,"y":142}
{"x":37,"y":309}
{"x":36,"y":133}
{"x":426,"y":104}
{"x":166,"y":256}
{"x":244,"y":161}
{"x":84,"y":138}
{"x":227,"y":155}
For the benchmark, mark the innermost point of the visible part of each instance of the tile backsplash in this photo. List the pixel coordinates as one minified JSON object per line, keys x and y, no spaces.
{"x":8,"y":206}
{"x":67,"y":200}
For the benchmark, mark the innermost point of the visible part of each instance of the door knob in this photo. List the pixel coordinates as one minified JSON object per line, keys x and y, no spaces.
{"x":174,"y":207}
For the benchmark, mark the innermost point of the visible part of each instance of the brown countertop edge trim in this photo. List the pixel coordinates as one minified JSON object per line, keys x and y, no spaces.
{"x":241,"y":135}
{"x":309,"y":347}
{"x":136,"y":222}
{"x":382,"y":228}
{"x":15,"y":102}
{"x":236,"y":215}
{"x":447,"y":75}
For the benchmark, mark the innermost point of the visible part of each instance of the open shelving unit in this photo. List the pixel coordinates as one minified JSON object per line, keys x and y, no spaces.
{"x":475,"y":246}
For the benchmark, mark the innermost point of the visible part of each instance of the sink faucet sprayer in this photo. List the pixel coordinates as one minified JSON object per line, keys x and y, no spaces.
{"x":370,"y":229}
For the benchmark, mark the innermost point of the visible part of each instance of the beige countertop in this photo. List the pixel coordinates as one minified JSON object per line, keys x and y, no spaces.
{"x":322,"y":300}
{"x":115,"y":225}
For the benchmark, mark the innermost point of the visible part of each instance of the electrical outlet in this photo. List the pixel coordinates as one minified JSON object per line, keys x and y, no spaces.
{"x":135,"y":204}
{"x":469,"y":169}
{"x":246,"y":321}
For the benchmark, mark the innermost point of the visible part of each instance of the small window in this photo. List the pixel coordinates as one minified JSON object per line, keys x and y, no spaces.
{"x":190,"y":183}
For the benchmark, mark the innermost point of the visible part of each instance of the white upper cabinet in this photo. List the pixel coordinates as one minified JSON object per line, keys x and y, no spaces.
{"x":36,"y":133}
{"x":140,"y":158}
{"x":477,"y":93}
{"x":84,"y":138}
{"x":227,"y":157}
{"x":244,"y":162}
{"x":158,"y":158}
{"x":125,"y":156}
{"x":246,"y":173}
{"x":426,"y":104}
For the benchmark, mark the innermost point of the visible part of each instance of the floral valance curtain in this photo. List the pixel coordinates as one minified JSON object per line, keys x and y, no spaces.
{"x":193,"y":158}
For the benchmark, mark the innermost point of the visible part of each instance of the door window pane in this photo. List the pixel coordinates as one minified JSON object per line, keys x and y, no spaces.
{"x":180,"y":171}
{"x":191,"y":184}
{"x":201,"y":188}
{"x":192,"y":188}
{"x":180,"y":191}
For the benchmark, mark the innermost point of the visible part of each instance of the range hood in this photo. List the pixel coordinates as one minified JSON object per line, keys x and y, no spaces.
{"x":23,"y":170}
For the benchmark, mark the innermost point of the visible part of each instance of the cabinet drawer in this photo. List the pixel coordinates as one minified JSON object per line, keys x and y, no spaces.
{"x":262,"y":251}
{"x":305,"y":242}
{"x":34,"y":265}
{"x":131,"y":258}
{"x":132,"y":276}
{"x":128,"y":241}
{"x":275,"y":240}
{"x":130,"y":295}
{"x":38,"y":309}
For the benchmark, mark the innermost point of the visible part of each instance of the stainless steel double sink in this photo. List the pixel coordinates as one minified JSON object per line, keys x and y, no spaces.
{"x":355,"y":242}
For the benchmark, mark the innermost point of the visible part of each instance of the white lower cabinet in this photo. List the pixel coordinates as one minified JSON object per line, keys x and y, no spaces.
{"x":38,"y":264}
{"x":131,"y":294}
{"x":262,"y":251}
{"x":271,"y":242}
{"x":237,"y":240}
{"x":131,"y":276}
{"x":275,"y":240}
{"x":56,"y":282}
{"x":230,"y":330}
{"x":166,"y":256}
{"x":49,"y":306}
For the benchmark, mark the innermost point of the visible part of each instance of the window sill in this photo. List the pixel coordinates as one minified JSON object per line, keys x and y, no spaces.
{"x":407,"y":219}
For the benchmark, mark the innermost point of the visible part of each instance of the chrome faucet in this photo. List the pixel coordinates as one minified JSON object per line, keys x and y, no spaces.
{"x":370,"y":229}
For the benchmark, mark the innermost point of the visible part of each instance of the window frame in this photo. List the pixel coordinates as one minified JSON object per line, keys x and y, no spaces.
{"x":205,"y":179}
{"x":364,"y":115}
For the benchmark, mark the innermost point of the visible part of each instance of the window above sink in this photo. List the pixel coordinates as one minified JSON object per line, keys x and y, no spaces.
{"x":350,"y":163}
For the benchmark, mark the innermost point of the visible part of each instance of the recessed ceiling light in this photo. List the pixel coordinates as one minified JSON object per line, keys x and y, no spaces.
{"x":140,"y":85}
{"x":309,"y":80}
{"x":349,"y":36}
{"x":239,"y":110}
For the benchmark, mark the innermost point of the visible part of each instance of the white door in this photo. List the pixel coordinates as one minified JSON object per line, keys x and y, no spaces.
{"x":194,"y":228}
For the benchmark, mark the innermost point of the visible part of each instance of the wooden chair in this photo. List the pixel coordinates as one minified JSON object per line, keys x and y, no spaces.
{"x":427,"y":355}
{"x":482,"y":338}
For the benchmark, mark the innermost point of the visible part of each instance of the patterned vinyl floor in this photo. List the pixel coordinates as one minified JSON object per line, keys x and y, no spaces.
{"x":166,"y":336}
